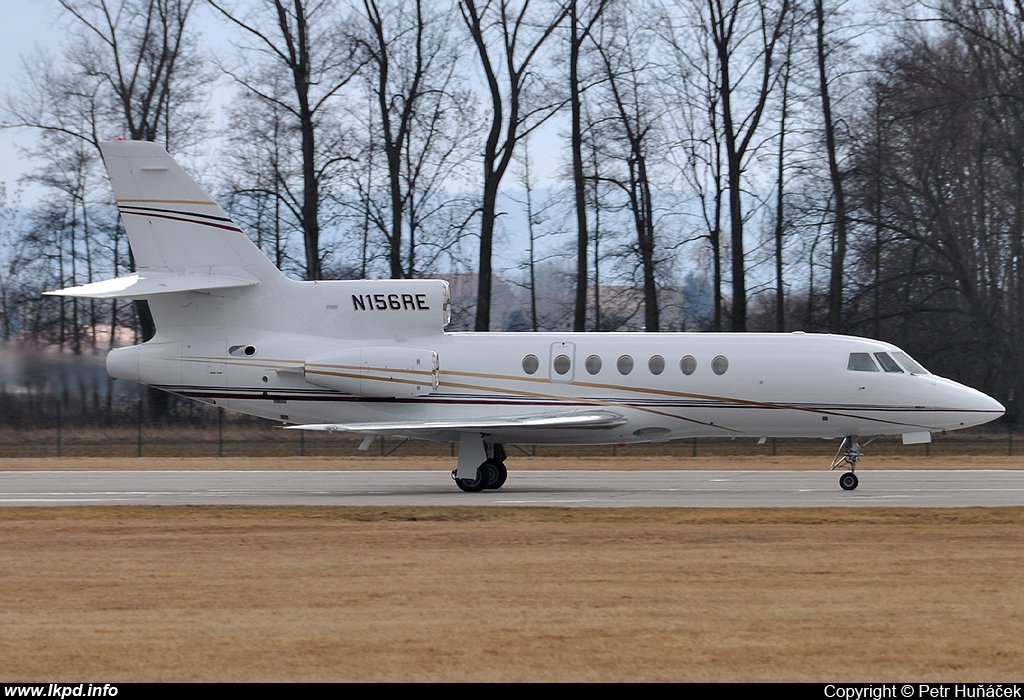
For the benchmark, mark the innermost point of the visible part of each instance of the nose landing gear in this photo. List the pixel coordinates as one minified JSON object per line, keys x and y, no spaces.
{"x":847,"y":455}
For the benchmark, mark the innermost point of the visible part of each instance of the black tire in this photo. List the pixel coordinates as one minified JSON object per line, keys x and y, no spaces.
{"x":496,"y":473}
{"x":848,"y":481}
{"x":473,"y":485}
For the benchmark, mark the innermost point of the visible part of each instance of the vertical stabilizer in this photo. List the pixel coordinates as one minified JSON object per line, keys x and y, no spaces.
{"x":172,"y":224}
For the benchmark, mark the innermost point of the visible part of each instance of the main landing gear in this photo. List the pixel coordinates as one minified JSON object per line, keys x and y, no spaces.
{"x":847,"y":455}
{"x":490,"y":474}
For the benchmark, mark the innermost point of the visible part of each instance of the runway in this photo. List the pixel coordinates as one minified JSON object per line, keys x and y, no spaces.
{"x":577,"y":489}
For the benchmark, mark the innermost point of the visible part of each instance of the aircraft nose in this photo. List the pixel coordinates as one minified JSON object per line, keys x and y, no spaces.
{"x":974,"y":407}
{"x":979,"y":401}
{"x":993,"y":405}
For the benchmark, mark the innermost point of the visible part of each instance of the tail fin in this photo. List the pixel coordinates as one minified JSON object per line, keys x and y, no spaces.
{"x":182,"y":240}
{"x":171,"y":222}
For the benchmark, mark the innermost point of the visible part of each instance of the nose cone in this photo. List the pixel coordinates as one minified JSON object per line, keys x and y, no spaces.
{"x":992,"y":406}
{"x":965,"y":406}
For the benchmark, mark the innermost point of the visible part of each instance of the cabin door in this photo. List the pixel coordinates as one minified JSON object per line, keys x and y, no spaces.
{"x":562,"y":362}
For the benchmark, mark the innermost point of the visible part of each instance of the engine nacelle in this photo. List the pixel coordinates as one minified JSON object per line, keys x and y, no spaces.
{"x":155,"y":363}
{"x":376,"y":372}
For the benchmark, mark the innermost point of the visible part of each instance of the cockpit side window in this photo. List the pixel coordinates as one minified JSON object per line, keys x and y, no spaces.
{"x":861,"y":362}
{"x":908,"y":364}
{"x":888,"y":364}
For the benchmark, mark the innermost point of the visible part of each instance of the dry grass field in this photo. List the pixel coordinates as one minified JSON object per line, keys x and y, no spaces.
{"x":477,"y":594}
{"x":308,"y":594}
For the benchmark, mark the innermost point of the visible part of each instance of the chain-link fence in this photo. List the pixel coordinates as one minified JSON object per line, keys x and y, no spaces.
{"x":212,"y":432}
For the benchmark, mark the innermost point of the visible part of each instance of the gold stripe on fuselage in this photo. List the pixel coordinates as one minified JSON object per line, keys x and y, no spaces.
{"x":578,"y":399}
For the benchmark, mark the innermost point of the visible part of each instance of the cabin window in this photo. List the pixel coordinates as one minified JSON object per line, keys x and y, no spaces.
{"x":531,"y":364}
{"x":861,"y":362}
{"x":625,"y":364}
{"x":656,"y":364}
{"x":562,"y":364}
{"x":888,"y":364}
{"x":908,"y":364}
{"x":688,"y":365}
{"x":593,"y":364}
{"x":720,"y":364}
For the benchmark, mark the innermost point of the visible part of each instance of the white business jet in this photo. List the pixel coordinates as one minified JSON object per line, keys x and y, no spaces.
{"x":372,"y":356}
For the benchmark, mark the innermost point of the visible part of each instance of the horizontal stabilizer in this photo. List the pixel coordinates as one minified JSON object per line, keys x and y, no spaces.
{"x":150,"y":283}
{"x":584,"y":419}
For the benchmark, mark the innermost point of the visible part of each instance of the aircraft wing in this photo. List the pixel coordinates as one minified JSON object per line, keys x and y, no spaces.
{"x":556,"y":420}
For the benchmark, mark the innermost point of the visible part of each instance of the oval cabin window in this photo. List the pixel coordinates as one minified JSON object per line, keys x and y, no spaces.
{"x":562,"y":364}
{"x":531,"y":364}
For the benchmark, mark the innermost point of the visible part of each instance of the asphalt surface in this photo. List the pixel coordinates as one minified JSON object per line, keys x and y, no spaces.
{"x":597,"y":489}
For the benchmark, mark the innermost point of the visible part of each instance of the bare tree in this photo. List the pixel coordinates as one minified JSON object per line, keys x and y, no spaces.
{"x":699,"y":155}
{"x":508,"y":41}
{"x":939,"y":187}
{"x":262,"y":162}
{"x":308,"y":40}
{"x":788,"y":95}
{"x":835,"y":298}
{"x":582,"y":18}
{"x":132,"y":68}
{"x":631,"y":113}
{"x":743,"y":36}
{"x":421,"y":121}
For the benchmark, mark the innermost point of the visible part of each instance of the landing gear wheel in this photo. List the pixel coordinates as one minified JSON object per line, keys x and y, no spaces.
{"x":496,"y":474}
{"x":473,"y":485}
{"x":848,"y":481}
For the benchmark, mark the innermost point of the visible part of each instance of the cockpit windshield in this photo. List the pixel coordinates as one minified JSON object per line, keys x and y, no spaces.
{"x":894,"y":363}
{"x":908,"y":364}
{"x":888,"y":364}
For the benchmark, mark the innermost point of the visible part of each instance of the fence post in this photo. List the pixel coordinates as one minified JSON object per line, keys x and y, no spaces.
{"x":1011,"y":415}
{"x":59,"y":422}
{"x":138,"y":424}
